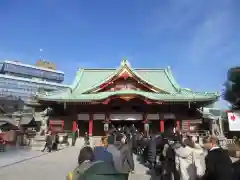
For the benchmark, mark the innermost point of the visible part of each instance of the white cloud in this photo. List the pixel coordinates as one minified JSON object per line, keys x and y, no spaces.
{"x":197,"y":30}
{"x":173,"y":15}
{"x":211,"y":36}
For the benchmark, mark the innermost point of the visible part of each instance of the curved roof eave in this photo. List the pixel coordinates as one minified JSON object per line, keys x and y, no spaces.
{"x":171,"y":78}
{"x":152,"y":96}
{"x":77,"y":79}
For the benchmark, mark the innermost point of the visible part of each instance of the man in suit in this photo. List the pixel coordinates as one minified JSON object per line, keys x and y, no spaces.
{"x":218,"y":162}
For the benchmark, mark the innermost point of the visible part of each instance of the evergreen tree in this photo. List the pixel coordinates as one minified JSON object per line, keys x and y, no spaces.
{"x":232,"y":90}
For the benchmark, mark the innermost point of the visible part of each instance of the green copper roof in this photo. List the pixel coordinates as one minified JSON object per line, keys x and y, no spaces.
{"x":87,"y":79}
{"x":214,"y":113}
{"x":68,"y":96}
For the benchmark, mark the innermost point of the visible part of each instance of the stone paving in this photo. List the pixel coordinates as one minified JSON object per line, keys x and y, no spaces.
{"x":51,"y":166}
{"x":14,"y":155}
{"x":55,"y":166}
{"x":18,"y":154}
{"x":140,"y":171}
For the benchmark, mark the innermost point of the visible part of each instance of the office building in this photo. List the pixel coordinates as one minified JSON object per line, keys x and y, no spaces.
{"x":20,"y":82}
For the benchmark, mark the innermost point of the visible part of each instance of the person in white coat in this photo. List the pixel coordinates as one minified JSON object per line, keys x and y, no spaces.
{"x":199,"y":161}
{"x":185,"y":161}
{"x":199,"y":158}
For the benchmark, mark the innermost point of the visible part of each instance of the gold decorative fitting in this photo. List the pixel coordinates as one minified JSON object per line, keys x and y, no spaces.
{"x":127,"y":98}
{"x":125,"y":74}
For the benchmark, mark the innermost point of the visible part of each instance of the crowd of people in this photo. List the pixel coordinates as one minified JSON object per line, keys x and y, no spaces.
{"x":110,"y":159}
{"x":169,"y":157}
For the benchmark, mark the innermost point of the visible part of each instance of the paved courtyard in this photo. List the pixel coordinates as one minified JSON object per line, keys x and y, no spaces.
{"x":15,"y":155}
{"x":54,"y":166}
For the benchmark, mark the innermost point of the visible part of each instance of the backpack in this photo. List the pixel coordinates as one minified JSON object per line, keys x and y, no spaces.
{"x":73,"y":175}
{"x":80,"y":169}
{"x":101,"y":171}
{"x":70,"y":176}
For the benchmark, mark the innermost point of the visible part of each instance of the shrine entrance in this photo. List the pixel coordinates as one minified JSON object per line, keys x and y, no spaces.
{"x":169,"y":124}
{"x":83,"y":127}
{"x":138,"y":124}
{"x":127,"y":119}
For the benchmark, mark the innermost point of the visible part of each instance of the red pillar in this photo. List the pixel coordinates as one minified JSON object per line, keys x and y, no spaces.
{"x":161,"y":125}
{"x":74,"y":126}
{"x":62,"y":125}
{"x":178,"y":125}
{"x":90,"y":125}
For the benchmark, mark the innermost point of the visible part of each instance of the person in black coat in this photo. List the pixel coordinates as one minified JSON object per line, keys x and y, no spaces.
{"x":218,"y":162}
{"x":236,"y":167}
{"x":152,"y":151}
{"x":49,"y":142}
{"x":169,"y":171}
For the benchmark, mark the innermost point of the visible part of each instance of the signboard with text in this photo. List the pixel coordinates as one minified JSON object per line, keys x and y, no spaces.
{"x":234,"y":121}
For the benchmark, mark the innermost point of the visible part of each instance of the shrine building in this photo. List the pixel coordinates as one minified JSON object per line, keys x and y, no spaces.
{"x":124,"y":96}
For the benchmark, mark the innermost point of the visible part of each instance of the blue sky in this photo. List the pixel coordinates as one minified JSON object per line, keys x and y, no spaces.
{"x":199,"y":39}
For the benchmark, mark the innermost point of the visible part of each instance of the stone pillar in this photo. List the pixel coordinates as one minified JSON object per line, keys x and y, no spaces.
{"x":161,"y":125}
{"x":90,"y":125}
{"x":146,"y":125}
{"x":146,"y":129}
{"x":106,"y":127}
{"x":220,"y":120}
{"x":106,"y":124}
